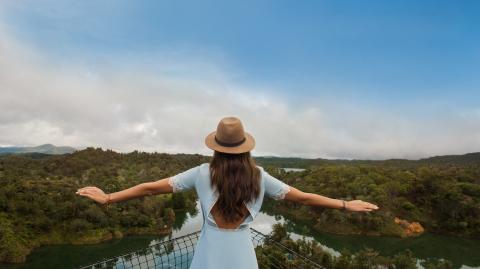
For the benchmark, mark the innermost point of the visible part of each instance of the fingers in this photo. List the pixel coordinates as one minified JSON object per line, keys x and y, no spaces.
{"x":370,"y":206}
{"x":359,"y":205}
{"x":89,"y":192}
{"x":84,"y":189}
{"x":90,"y":189}
{"x":84,"y":192}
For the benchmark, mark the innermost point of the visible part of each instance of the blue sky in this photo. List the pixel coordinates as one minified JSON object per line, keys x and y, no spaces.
{"x":381,"y":49}
{"x":409,"y":60}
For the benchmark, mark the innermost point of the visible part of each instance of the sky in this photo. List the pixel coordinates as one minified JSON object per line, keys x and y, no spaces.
{"x":314,"y":79}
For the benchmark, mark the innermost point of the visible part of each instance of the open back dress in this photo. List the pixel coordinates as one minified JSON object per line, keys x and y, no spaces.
{"x":218,"y":247}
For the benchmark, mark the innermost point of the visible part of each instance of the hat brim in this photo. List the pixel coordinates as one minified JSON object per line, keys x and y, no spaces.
{"x":246,"y":146}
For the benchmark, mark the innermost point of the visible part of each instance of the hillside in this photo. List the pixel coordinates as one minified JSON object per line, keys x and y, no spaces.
{"x":45,"y":149}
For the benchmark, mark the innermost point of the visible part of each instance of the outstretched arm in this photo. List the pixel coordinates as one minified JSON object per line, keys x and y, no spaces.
{"x":140,"y":190}
{"x":312,"y":199}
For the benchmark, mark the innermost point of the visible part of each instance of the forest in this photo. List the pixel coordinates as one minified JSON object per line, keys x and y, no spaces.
{"x":38,"y":204}
{"x":440,"y":193}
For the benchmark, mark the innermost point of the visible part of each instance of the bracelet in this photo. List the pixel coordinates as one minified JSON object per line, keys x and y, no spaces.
{"x":107,"y":203}
{"x":344,"y":207}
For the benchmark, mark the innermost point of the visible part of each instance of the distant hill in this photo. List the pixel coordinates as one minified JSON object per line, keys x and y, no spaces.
{"x":465,"y":159}
{"x":45,"y":149}
{"x":454,"y":159}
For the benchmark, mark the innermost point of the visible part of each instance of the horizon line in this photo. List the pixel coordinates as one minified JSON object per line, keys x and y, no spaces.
{"x":255,"y":156}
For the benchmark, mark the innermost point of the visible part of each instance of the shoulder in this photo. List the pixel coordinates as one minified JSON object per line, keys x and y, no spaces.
{"x":203,"y":166}
{"x":204,"y":169}
{"x":260,"y":167}
{"x":200,"y":167}
{"x":193,"y":171}
{"x":262,"y":170}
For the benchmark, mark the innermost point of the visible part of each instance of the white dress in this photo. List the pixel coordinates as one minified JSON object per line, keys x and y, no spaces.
{"x":219,"y":248}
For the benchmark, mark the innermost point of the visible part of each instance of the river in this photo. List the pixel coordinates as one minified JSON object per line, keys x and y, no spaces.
{"x":464,"y":253}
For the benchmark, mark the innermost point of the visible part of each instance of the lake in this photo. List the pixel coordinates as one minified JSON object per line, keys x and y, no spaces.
{"x":288,"y":169}
{"x":464,"y":253}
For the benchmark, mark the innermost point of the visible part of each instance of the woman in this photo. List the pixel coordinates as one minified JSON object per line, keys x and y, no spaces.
{"x":231,"y":190}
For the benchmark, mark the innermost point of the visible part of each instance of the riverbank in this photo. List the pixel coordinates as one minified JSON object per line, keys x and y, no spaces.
{"x":90,"y":237}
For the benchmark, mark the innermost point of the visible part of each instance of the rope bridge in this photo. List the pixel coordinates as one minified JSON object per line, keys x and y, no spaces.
{"x":178,"y":253}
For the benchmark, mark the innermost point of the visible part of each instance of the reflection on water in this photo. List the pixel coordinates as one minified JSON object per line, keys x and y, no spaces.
{"x":462,"y":252}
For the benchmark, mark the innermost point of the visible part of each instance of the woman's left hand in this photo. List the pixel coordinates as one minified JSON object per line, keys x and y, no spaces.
{"x":359,"y":205}
{"x":93,"y":193}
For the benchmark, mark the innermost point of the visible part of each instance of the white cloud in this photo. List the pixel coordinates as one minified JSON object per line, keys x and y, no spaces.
{"x":134,"y":107}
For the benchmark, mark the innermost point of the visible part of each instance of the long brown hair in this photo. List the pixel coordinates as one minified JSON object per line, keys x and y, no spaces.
{"x":236,"y":178}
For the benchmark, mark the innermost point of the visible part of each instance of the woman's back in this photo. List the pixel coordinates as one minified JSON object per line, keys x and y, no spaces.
{"x":221,"y":243}
{"x":225,"y":224}
{"x":199,"y":178}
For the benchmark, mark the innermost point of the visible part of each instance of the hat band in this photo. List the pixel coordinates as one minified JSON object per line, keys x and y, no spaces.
{"x":223,"y":144}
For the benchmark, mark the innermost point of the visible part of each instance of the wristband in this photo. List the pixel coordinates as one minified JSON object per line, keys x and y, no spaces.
{"x":108,"y":200}
{"x":344,"y":207}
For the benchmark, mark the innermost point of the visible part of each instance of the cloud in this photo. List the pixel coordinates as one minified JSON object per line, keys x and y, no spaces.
{"x":170,"y":108}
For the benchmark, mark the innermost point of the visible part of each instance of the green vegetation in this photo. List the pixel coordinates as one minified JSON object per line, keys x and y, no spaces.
{"x":269,"y":255}
{"x":441,"y":193}
{"x":38,"y":204}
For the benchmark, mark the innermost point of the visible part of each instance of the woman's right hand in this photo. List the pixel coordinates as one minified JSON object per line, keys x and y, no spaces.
{"x":93,"y":193}
{"x":359,"y":205}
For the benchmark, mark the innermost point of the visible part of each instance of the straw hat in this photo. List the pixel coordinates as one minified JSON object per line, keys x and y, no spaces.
{"x":230,"y":137}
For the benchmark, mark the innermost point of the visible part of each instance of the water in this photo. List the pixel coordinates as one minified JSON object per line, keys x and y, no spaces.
{"x":464,"y":253}
{"x":288,"y":169}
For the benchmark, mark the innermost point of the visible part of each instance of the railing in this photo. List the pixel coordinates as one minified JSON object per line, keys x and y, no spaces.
{"x":178,"y":253}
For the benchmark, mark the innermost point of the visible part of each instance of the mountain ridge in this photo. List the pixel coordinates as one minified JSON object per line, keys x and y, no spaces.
{"x":50,"y":149}
{"x":45,"y":149}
